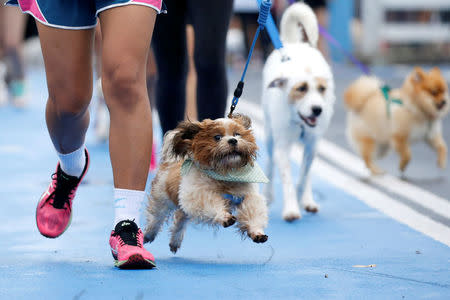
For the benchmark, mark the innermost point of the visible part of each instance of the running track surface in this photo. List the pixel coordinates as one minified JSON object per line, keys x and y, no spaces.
{"x":310,"y":259}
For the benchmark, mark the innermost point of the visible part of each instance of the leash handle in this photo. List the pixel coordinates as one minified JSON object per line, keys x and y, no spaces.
{"x":264,"y":13}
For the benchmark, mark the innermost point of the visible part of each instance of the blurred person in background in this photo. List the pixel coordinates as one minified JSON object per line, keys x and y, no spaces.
{"x":210,"y":20}
{"x":12,"y":73}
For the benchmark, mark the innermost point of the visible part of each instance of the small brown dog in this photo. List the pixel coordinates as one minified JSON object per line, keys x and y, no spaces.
{"x":207,"y":170}
{"x":414,"y":113}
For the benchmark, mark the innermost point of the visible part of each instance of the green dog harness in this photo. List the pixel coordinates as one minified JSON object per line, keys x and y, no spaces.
{"x":248,"y":173}
{"x":385,"y":89}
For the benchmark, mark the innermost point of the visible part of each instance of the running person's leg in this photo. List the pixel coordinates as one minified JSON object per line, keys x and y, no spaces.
{"x":68,"y":66}
{"x":13,"y":36}
{"x":210,"y":20}
{"x":126,"y":36}
{"x":169,"y":45}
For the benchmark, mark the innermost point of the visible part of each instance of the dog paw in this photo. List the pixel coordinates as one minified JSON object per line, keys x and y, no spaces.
{"x":376,"y":171}
{"x":291,"y":216}
{"x":312,"y":207}
{"x":259,"y":238}
{"x":174,"y":248}
{"x":148,"y":238}
{"x":442,"y":162}
{"x":229,"y":222}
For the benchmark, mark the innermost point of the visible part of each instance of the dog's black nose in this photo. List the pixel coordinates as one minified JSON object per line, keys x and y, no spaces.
{"x":232,"y":141}
{"x":441,"y":104}
{"x":317,"y":110}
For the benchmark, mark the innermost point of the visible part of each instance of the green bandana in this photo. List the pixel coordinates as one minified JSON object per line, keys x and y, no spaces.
{"x":385,"y":89}
{"x":245,"y":174}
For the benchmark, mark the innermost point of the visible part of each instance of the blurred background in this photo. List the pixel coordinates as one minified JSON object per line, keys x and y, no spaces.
{"x":386,"y":37}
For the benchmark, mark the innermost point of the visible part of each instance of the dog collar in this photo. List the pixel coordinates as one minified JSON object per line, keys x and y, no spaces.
{"x":385,"y":89}
{"x":248,"y":173}
{"x":234,"y":199}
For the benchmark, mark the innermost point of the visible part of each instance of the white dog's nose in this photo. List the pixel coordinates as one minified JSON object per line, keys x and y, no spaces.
{"x":317,"y":110}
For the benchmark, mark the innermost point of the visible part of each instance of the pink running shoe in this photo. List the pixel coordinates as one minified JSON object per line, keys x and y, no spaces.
{"x":54,"y":210}
{"x":126,"y":242}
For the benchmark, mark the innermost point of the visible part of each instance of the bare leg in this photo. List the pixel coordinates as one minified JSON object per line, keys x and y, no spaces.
{"x":68,"y":65}
{"x":191,"y":80}
{"x":13,"y":31}
{"x":124,"y":86}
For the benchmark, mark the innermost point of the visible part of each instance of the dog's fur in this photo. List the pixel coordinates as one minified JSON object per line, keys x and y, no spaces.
{"x":372,"y":132}
{"x":219,"y":145}
{"x":298,"y":97}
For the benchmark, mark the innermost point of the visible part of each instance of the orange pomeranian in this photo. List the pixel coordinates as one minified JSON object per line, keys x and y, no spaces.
{"x":379,"y":118}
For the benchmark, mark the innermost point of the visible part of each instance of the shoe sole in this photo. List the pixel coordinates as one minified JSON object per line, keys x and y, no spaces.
{"x":135,"y":261}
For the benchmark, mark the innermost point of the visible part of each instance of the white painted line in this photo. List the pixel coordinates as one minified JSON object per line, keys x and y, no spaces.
{"x":370,"y":196}
{"x":380,"y":201}
{"x":354,"y":164}
{"x":388,"y":182}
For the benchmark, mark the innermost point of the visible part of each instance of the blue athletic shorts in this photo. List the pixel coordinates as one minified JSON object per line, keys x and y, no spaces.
{"x":74,"y":14}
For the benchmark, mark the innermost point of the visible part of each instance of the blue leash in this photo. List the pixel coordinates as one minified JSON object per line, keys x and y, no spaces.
{"x":264,"y":13}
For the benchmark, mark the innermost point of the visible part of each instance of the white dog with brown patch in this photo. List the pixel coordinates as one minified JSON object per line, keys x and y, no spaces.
{"x":298,"y":98}
{"x":208,"y":170}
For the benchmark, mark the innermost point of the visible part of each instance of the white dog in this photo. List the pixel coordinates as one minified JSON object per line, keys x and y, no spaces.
{"x":298,"y":97}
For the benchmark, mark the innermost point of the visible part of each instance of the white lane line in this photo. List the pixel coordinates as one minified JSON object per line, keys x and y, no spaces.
{"x":388,"y":182}
{"x":355,"y":165}
{"x":380,"y":201}
{"x":370,"y":196}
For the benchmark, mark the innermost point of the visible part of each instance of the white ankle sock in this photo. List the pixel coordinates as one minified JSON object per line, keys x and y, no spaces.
{"x":127,"y":205}
{"x":73,"y":163}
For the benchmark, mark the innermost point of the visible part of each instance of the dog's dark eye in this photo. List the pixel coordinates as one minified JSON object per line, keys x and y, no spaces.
{"x":237,"y":134}
{"x":434,"y":92}
{"x":321,"y":89}
{"x":303,"y":88}
{"x":218,"y":137}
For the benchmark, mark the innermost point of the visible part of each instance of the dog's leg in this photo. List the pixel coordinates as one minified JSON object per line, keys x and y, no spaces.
{"x":291,"y":210}
{"x":438,"y":144}
{"x":207,"y":206}
{"x":304,"y":192}
{"x":252,"y":217}
{"x":307,"y":198}
{"x":401,"y":145}
{"x":157,"y":211}
{"x":367,"y":149}
{"x":268,"y":188}
{"x":180,"y":220}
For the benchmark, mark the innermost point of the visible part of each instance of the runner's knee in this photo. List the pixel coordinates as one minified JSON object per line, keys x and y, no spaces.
{"x":70,"y":101}
{"x":121,"y":84}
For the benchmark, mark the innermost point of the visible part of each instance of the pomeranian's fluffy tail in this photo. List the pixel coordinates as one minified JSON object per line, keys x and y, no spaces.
{"x":299,"y":24}
{"x":356,"y":95}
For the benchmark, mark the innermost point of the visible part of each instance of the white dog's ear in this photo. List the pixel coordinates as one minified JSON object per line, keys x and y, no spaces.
{"x":279,"y":82}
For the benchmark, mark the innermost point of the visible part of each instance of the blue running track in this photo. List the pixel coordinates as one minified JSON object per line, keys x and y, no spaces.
{"x":309,"y":259}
